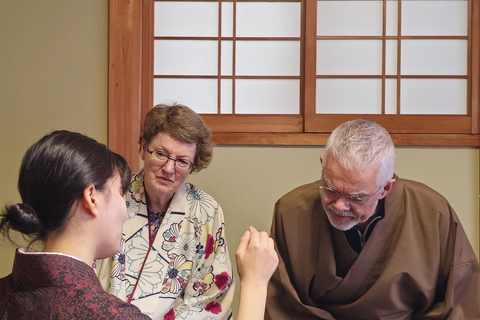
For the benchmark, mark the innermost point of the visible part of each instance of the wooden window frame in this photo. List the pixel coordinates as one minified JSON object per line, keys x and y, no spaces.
{"x":131,"y":94}
{"x":408,"y":129}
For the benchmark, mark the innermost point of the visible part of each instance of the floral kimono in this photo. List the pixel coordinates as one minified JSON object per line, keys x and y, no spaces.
{"x":174,"y":266}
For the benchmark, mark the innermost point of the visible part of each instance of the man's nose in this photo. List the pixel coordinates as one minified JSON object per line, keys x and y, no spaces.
{"x":341,"y":203}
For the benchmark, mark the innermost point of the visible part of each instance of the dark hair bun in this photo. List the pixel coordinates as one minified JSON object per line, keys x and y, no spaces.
{"x":21,"y":217}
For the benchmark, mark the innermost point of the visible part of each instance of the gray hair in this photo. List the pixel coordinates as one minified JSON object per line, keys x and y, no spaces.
{"x":360,"y":144}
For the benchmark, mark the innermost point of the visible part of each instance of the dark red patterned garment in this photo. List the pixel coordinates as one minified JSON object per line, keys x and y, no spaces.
{"x":53,"y":286}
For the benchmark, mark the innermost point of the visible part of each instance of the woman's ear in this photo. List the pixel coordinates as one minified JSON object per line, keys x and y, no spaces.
{"x":90,"y":200}
{"x":142,"y":150}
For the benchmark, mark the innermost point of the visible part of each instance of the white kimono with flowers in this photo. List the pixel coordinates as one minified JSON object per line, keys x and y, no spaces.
{"x":186,"y":274}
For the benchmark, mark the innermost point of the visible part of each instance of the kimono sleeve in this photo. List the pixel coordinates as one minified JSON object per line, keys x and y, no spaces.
{"x":209,"y":292}
{"x":283,"y":301}
{"x":460,"y":297}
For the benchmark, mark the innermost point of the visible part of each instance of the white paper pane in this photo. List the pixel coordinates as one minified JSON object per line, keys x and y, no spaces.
{"x":349,"y":18}
{"x":227,"y":58}
{"x":198,"y":94}
{"x":226,"y":98}
{"x":268,"y":19}
{"x":185,"y":57}
{"x":267,"y":96}
{"x":391,"y":57}
{"x":227,"y":19}
{"x":390,"y":96}
{"x":392,"y":18}
{"x":435,"y":17}
{"x":269,"y":58}
{"x":433,"y":96}
{"x":192,"y":18}
{"x":434,"y":57}
{"x":342,"y":57}
{"x":358,"y":96}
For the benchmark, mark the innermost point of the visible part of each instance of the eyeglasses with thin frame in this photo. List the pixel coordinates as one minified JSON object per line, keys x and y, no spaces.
{"x":328,"y":192}
{"x":160,"y":159}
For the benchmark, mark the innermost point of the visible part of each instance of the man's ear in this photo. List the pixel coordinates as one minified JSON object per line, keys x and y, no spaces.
{"x":90,"y":199}
{"x":388,"y":187}
{"x":321,"y":159}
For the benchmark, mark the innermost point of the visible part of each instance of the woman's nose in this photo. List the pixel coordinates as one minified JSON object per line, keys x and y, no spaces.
{"x":169,"y":166}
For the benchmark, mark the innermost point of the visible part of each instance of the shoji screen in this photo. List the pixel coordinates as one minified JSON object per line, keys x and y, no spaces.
{"x":229,"y":57}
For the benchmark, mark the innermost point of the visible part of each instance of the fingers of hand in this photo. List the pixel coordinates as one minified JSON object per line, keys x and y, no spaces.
{"x":264,"y":250}
{"x":271,"y":243}
{"x":256,"y":250}
{"x":242,"y":246}
{"x":254,"y":236}
{"x":264,"y":238}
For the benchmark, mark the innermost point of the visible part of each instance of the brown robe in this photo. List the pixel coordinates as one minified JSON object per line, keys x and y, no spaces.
{"x":417,"y":263}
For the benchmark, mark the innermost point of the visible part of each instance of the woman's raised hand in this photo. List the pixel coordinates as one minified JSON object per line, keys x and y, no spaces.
{"x":256,"y":257}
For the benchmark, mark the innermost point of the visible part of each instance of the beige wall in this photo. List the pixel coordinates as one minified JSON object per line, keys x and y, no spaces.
{"x":53,"y":75}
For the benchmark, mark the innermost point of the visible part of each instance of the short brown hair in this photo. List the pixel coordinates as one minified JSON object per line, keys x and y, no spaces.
{"x":183,"y":124}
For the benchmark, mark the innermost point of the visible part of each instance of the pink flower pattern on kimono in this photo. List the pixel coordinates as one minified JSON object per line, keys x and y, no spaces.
{"x":205,"y":276}
{"x":214,"y":307}
{"x":170,"y":315}
{"x":209,"y":246}
{"x":179,"y":271}
{"x":223,"y":280}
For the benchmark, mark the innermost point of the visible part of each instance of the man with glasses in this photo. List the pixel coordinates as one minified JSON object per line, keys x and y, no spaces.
{"x":362,"y":243}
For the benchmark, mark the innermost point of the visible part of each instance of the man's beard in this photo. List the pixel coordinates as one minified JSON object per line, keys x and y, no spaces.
{"x":342,"y":225}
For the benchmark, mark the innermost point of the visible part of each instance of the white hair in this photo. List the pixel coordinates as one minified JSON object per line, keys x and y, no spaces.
{"x":360,"y":144}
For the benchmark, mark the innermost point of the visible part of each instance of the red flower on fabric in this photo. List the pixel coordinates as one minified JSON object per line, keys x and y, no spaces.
{"x":209,"y":246}
{"x":214,"y":307}
{"x":201,"y":287}
{"x":222,"y":280}
{"x":170,"y":315}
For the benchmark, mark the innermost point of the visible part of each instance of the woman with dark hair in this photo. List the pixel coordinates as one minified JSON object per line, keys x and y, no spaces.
{"x":72,"y":190}
{"x":174,"y":258}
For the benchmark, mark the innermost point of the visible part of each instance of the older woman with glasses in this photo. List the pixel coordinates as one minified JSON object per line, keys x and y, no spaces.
{"x":173,"y":258}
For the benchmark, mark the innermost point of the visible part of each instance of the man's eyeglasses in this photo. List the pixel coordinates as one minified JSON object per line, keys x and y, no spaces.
{"x":328,"y":192}
{"x":160,"y":159}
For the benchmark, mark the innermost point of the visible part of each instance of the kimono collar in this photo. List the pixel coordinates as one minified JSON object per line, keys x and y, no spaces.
{"x":41,"y":269}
